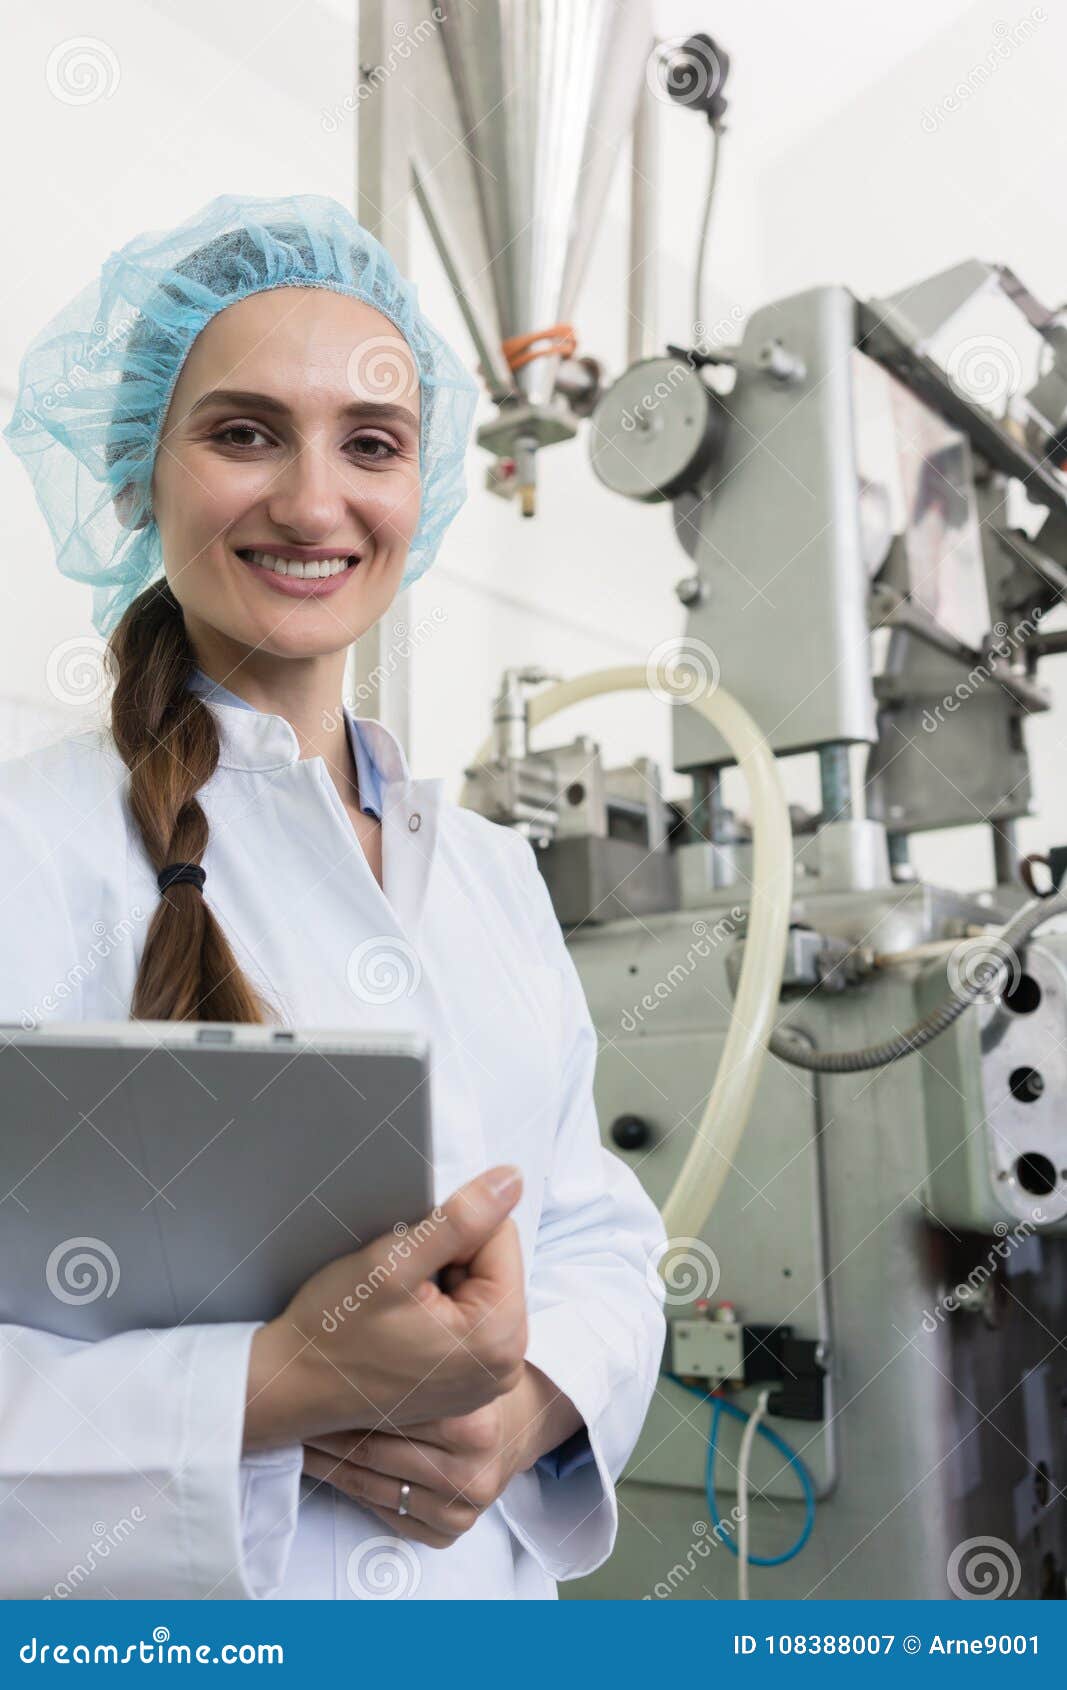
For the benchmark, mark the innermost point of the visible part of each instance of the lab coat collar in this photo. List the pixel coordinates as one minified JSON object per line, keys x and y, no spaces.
{"x":259,"y":741}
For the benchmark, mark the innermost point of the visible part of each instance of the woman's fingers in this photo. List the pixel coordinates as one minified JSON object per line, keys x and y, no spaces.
{"x":429,"y":1508}
{"x":436,"y":1514}
{"x":396,"y":1457}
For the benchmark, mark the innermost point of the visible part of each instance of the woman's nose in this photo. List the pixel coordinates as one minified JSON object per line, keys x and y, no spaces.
{"x":310,"y":496}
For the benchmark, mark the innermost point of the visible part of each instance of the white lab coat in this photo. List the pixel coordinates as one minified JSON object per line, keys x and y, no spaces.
{"x":121,"y":1471}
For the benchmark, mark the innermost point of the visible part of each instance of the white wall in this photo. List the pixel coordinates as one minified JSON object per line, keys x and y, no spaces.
{"x":828,"y":174}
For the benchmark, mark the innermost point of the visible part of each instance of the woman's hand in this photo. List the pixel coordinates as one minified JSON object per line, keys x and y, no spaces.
{"x":371,"y":1338}
{"x":455,"y":1468}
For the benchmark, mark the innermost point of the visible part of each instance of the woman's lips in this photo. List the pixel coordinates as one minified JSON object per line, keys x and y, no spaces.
{"x":295,"y":587}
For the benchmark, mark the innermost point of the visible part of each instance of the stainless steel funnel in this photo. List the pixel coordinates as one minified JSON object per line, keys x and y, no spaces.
{"x":522,"y":109}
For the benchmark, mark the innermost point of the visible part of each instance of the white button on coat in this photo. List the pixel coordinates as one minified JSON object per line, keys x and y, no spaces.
{"x":120,"y":1462}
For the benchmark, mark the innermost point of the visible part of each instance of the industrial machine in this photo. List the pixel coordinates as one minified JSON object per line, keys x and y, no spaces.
{"x":881,"y":1282}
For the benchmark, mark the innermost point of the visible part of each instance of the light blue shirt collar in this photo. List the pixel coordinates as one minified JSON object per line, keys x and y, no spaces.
{"x":367,"y":772}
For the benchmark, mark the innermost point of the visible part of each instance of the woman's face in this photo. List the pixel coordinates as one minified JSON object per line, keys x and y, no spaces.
{"x":293,"y":430}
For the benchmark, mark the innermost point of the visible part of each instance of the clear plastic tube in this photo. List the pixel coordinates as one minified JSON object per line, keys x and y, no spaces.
{"x":714,"y":1146}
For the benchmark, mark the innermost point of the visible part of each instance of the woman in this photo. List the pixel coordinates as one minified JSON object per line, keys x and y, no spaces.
{"x":249,"y":395}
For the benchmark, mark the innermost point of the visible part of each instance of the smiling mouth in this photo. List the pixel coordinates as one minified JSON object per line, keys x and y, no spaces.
{"x":299,"y":569}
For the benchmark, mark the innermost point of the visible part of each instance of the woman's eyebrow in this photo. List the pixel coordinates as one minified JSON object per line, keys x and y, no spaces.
{"x":243,"y":399}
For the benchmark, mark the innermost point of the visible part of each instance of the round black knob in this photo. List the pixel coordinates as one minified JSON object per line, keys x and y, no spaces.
{"x":630,"y":1132}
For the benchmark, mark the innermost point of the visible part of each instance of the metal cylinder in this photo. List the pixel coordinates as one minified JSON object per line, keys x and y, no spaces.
{"x":1005,"y":852}
{"x":708,"y":819}
{"x":899,"y":856}
{"x":835,"y":776}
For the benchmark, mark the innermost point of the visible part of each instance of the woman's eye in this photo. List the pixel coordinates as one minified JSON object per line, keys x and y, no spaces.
{"x":366,"y":444}
{"x":236,"y":428}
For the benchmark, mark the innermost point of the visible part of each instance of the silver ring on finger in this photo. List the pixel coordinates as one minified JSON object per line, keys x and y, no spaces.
{"x":405,"y":1492}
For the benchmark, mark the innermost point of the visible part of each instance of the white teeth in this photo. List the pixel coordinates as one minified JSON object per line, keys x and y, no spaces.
{"x":297,"y":568}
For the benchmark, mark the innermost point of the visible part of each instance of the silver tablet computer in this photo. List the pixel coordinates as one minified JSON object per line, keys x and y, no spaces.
{"x":158,"y":1172}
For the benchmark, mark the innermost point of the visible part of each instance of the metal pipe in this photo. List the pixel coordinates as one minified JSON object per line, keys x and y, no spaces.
{"x":642,"y":337}
{"x":491,"y":361}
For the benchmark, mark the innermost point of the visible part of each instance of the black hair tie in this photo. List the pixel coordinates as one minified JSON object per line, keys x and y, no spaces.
{"x":180,"y":874}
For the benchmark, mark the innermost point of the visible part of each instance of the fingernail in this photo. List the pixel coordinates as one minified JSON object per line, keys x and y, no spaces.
{"x":502,"y":1181}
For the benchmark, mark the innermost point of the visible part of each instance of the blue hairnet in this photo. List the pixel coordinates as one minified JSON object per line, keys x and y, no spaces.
{"x":95,"y":384}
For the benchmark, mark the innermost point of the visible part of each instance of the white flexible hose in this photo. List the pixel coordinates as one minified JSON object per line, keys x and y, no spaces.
{"x":716,"y":1139}
{"x":743,"y":1459}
